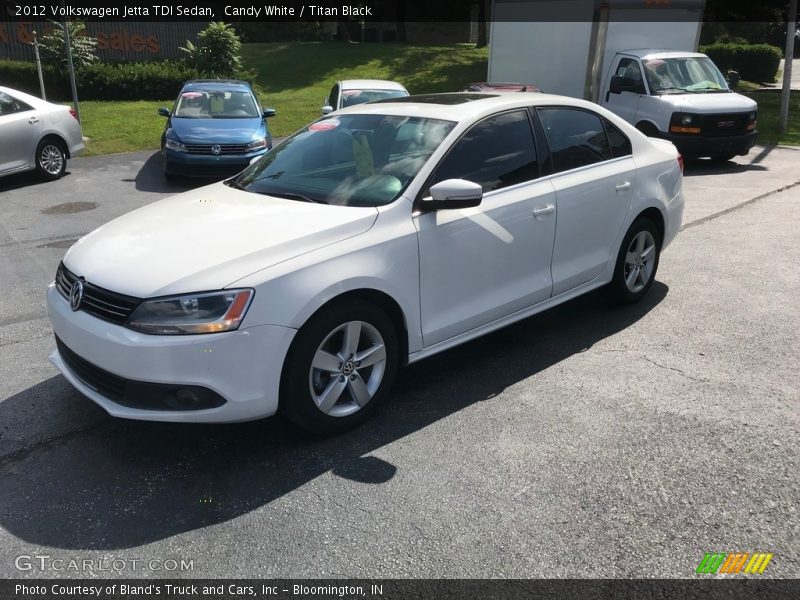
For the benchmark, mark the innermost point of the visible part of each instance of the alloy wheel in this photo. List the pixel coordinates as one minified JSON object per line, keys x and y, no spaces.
{"x":51,"y":159}
{"x":640,"y":261}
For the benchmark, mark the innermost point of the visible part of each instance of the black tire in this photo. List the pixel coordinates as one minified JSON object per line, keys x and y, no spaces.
{"x":619,"y":289}
{"x":296,"y":400}
{"x":51,"y":159}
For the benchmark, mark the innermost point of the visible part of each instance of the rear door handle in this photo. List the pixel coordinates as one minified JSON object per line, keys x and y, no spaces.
{"x":624,"y":187}
{"x":543,"y":210}
{"x":33,"y":120}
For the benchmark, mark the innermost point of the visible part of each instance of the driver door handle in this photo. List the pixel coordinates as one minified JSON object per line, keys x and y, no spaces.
{"x":33,"y":120}
{"x":624,"y":187}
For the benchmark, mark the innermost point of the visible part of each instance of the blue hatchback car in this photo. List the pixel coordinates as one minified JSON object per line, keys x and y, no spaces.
{"x":214,"y":130}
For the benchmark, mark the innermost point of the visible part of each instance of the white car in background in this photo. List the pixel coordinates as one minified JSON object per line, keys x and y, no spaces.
{"x":36,"y":135}
{"x":371,"y":238}
{"x":359,"y":91}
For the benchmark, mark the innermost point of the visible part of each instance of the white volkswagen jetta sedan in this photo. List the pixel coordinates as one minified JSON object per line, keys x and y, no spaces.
{"x":370,"y":239}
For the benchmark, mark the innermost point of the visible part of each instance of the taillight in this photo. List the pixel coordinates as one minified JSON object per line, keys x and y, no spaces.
{"x":74,"y":113}
{"x":680,"y":161}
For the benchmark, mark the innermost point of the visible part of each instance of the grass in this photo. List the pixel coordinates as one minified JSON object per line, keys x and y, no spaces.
{"x":768,"y":112}
{"x":294,"y":79}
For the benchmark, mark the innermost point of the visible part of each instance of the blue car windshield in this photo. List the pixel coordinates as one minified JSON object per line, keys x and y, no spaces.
{"x":215,"y":104}
{"x":347,"y":160}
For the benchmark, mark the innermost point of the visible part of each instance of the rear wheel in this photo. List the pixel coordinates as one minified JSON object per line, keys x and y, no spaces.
{"x":51,"y":159}
{"x":637,"y":262}
{"x":340,"y":367}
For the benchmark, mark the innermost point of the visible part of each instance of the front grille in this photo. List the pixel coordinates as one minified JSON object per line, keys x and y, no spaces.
{"x":98,"y":302}
{"x":104,"y":383}
{"x":223,"y":148}
{"x":724,"y":125}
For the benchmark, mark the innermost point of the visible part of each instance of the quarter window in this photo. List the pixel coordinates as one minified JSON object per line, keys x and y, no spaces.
{"x":496,"y":153}
{"x":620,"y":144}
{"x":576,"y":137}
{"x":9,"y":105}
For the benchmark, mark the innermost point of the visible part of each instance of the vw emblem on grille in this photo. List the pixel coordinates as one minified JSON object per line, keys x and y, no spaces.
{"x":216,"y":149}
{"x":76,"y":295}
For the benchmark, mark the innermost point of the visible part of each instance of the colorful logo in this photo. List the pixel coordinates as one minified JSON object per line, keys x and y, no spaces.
{"x":734,"y":562}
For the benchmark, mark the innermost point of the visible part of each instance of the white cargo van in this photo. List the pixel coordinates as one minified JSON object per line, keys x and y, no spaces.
{"x":648,"y":72}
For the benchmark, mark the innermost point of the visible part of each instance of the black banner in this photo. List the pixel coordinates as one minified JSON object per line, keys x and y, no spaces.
{"x":393,"y":589}
{"x":376,"y":11}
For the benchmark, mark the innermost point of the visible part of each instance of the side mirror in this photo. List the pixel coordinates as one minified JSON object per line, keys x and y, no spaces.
{"x":269,"y":112}
{"x":454,"y":193}
{"x":615,"y":87}
{"x":164,"y":112}
{"x":327,"y":109}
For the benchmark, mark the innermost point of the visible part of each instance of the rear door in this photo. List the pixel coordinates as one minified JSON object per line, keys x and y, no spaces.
{"x":20,"y":128}
{"x":594,"y":179}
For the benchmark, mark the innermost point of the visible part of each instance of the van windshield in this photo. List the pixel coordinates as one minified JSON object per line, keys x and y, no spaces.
{"x":684,"y":75}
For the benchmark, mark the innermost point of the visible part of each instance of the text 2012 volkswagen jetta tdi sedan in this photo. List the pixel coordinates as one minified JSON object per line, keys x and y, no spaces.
{"x":375,"y":237}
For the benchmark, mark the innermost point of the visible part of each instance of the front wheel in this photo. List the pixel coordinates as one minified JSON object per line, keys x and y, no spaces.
{"x":637,"y":262}
{"x":51,"y":159}
{"x":339,"y":368}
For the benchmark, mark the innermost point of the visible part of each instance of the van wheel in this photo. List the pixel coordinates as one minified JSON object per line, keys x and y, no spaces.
{"x":339,"y":368}
{"x":51,"y":159}
{"x":637,"y":262}
{"x":648,"y":129}
{"x":722,"y":158}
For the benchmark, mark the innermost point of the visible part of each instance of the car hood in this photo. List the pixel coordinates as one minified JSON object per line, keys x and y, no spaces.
{"x":713,"y":103}
{"x":207,"y":239}
{"x":216,"y":131}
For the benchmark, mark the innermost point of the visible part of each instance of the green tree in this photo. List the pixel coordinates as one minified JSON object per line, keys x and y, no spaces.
{"x":53,"y":48}
{"x":216,"y":51}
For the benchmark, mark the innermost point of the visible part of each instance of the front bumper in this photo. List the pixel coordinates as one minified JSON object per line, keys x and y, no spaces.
{"x":207,"y":165}
{"x":695,"y":145}
{"x":243,"y":367}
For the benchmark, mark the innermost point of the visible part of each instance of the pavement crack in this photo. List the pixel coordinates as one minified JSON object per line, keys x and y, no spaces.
{"x":20,"y":454}
{"x":738,"y":206}
{"x":651,"y":361}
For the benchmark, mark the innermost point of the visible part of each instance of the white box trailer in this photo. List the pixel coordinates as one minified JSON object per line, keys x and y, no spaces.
{"x":608,"y":52}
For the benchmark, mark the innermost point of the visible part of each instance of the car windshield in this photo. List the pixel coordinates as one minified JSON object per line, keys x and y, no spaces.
{"x":347,"y":160}
{"x":215,"y":104}
{"x":684,"y":75}
{"x":353,"y":97}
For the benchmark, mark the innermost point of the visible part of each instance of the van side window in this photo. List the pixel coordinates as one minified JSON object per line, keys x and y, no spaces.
{"x":620,"y":144}
{"x":496,"y":153}
{"x":576,"y":137}
{"x":631,"y":74}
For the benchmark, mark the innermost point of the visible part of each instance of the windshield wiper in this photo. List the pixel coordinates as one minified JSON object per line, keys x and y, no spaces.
{"x":235,"y":184}
{"x":293,"y":196}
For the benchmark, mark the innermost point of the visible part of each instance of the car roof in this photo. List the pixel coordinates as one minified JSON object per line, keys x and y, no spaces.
{"x":463,"y":106}
{"x":371,"y":84}
{"x":648,"y":53}
{"x":221,"y":84}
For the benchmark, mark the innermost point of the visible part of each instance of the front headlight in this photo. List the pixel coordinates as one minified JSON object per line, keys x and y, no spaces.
{"x":257,"y":144}
{"x":173,"y":145}
{"x":686,"y":120}
{"x":211,"y":312}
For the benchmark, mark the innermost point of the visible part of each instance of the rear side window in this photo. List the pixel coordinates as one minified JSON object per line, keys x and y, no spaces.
{"x":496,"y":153}
{"x":619,"y":142}
{"x":576,"y":137}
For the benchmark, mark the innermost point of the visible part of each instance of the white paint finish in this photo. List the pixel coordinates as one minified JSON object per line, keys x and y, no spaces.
{"x":454,"y":274}
{"x":21,"y":132}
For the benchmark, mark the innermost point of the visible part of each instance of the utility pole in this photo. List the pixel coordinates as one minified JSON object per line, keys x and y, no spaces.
{"x":791,"y":28}
{"x":71,"y":70}
{"x":38,"y":65}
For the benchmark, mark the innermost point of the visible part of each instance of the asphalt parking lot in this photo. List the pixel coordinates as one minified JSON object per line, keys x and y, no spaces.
{"x":589,"y":441}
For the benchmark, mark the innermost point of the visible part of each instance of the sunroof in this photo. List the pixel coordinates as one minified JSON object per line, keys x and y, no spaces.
{"x":445,"y":99}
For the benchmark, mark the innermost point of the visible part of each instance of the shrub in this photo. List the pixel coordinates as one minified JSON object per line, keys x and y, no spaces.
{"x":52,"y":46}
{"x":216,"y":52}
{"x":754,"y":62}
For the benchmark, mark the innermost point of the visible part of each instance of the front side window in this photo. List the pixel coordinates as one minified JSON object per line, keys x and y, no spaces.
{"x":684,"y":76}
{"x":347,"y":160}
{"x":213,"y":104}
{"x":631,"y":76}
{"x":576,"y":137}
{"x":333,"y":97}
{"x":496,"y":153}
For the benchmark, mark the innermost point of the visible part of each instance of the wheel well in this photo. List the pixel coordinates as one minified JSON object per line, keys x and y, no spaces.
{"x":60,"y":140}
{"x":656,"y":217}
{"x":388,"y":305}
{"x":647,"y":128}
